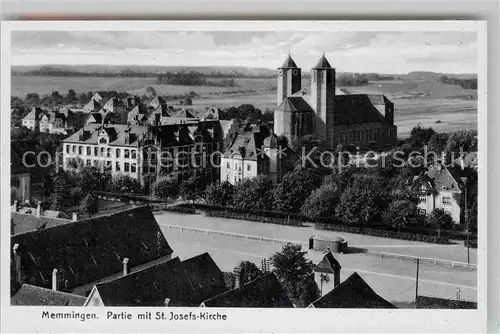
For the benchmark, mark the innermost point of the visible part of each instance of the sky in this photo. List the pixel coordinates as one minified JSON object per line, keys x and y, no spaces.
{"x":380,"y":52}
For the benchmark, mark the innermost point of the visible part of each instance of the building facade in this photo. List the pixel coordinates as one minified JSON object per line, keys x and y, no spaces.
{"x":358,"y":120}
{"x":146,"y":153}
{"x":32,"y":120}
{"x":439,"y":188}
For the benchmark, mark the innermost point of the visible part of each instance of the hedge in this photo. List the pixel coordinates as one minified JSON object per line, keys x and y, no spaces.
{"x":382,"y":233}
{"x":251,"y":217}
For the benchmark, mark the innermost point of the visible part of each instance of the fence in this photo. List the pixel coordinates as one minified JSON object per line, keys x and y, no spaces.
{"x":448,"y":263}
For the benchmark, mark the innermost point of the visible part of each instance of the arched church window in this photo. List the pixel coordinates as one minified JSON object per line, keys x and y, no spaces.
{"x":315,"y":76}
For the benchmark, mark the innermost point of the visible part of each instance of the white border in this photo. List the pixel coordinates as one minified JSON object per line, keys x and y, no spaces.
{"x":27,"y":319}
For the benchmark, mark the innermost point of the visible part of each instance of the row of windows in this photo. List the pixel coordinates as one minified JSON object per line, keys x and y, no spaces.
{"x":239,"y":167}
{"x":446,"y":200}
{"x":360,"y":135}
{"x":127,"y":167}
{"x":100,"y":151}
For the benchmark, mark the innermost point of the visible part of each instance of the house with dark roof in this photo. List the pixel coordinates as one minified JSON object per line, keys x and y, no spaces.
{"x":251,"y":153}
{"x":92,"y":106}
{"x":34,"y":219}
{"x":439,"y":187}
{"x":172,"y":283}
{"x":327,"y":273}
{"x":80,"y":254}
{"x":264,"y":292}
{"x":357,"y":120}
{"x":354,"y":292}
{"x":31,"y":295}
{"x":32,"y":120}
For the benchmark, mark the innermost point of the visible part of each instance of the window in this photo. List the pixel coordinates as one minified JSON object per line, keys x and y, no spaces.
{"x":108,"y":153}
{"x":89,"y":162}
{"x":67,"y":148}
{"x":133,"y":169}
{"x":248,"y":168}
{"x":422,"y":212}
{"x":89,"y":150}
{"x":127,"y":154}
{"x":446,"y":200}
{"x":315,"y":76}
{"x":117,"y":166}
{"x":102,"y":151}
{"x":423,"y":199}
{"x":96,"y":163}
{"x":74,"y":149}
{"x":103,"y":141}
{"x":134,"y":154}
{"x":117,"y":152}
{"x":127,"y":167}
{"x":96,"y":151}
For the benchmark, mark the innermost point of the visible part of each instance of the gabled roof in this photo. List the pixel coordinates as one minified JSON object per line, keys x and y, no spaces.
{"x":185,"y":283}
{"x":356,"y":108}
{"x":247,"y":145}
{"x":328,"y":264}
{"x":294,"y":104}
{"x":265,"y":291}
{"x":93,"y":105}
{"x":34,"y":114}
{"x":322,"y":63}
{"x":24,"y":222}
{"x":136,"y":133}
{"x":443,"y":179}
{"x":205,"y":276}
{"x":288,"y":63}
{"x":354,"y":292}
{"x":30,"y":295}
{"x":184,"y":114}
{"x":157,"y":101}
{"x":87,"y":250}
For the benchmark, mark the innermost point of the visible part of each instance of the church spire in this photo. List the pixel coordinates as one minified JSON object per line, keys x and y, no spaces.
{"x":288,"y":63}
{"x":322,"y":63}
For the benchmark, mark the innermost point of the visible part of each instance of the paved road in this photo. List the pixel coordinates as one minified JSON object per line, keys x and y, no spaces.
{"x":393,"y":279}
{"x":455,"y":252}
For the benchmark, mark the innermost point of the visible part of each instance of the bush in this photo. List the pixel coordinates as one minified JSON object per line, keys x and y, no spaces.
{"x":383,"y":233}
{"x":255,"y":218}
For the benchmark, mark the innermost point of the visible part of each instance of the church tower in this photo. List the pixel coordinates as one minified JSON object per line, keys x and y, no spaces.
{"x":322,"y":98}
{"x":289,"y":79}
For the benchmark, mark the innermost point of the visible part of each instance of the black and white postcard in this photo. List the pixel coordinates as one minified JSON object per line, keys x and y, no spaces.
{"x":244,"y":176}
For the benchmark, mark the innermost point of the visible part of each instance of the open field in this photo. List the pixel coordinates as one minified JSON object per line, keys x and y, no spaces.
{"x":391,"y":278}
{"x":449,"y":104}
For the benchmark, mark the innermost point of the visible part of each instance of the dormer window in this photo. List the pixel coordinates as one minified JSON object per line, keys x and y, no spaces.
{"x":103,"y":140}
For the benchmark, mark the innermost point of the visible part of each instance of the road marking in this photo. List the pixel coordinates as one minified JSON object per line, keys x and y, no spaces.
{"x":350,"y":269}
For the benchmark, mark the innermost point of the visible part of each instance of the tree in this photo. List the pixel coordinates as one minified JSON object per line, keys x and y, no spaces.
{"x":88,"y":205}
{"x":59,"y":194}
{"x":254,"y":194}
{"x":400,"y":213}
{"x":249,"y":272}
{"x":440,"y":219}
{"x":321,"y":203}
{"x":151,"y":91}
{"x":82,"y":99}
{"x":32,"y":99}
{"x":461,"y":141}
{"x":94,"y":178}
{"x":71,"y":95}
{"x":357,"y":207}
{"x":191,"y":189}
{"x":293,"y":190}
{"x":294,"y":272}
{"x":165,"y":189}
{"x":220,"y":194}
{"x":420,"y":136}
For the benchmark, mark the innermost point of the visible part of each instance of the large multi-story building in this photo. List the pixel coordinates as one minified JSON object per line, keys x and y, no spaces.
{"x":359,"y":120}
{"x":175,"y":151}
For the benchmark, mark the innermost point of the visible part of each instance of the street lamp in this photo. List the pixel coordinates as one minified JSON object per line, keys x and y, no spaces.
{"x":464,"y":180}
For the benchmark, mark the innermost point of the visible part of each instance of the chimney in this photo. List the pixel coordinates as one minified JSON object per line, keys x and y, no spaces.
{"x":237,"y":277}
{"x":55,"y":279}
{"x":167,"y":301}
{"x":16,"y":206}
{"x":125,"y":266}
{"x":17,"y":263}
{"x":39,"y":209}
{"x":74,"y":217}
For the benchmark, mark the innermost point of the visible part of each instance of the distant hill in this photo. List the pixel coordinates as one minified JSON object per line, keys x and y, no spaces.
{"x":111,"y":69}
{"x":425,"y":75}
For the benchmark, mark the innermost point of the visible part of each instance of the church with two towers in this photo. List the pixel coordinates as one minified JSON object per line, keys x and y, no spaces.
{"x":355,"y":120}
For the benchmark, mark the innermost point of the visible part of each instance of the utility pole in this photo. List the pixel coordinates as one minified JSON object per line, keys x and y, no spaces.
{"x":464,"y":180}
{"x":416,"y":286}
